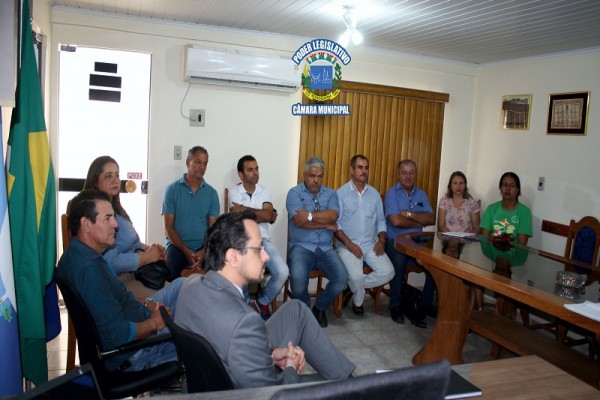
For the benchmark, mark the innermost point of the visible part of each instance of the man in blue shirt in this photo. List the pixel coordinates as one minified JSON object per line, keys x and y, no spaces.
{"x":313,"y":211}
{"x":407,"y":209}
{"x":361,"y":234}
{"x":119,"y":318}
{"x":190,"y":206}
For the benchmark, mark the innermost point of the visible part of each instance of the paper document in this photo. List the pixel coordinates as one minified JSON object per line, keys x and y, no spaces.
{"x":588,"y":309}
{"x":459,"y":234}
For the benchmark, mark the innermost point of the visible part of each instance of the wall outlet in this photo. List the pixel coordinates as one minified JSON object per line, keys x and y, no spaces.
{"x":541,"y":183}
{"x":177,"y":153}
{"x":197,"y":117}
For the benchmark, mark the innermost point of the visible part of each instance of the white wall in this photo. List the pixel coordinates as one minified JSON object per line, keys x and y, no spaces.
{"x":570,"y":164}
{"x":242,"y":121}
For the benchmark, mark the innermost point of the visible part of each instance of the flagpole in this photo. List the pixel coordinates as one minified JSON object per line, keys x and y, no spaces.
{"x":31,"y":208}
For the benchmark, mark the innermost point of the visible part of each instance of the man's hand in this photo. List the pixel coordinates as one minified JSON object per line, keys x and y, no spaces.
{"x":301,"y":217}
{"x":155,"y":316}
{"x":194,"y":259}
{"x":288,"y":356}
{"x":236,"y":207}
{"x":379,"y":248}
{"x":354,"y":249}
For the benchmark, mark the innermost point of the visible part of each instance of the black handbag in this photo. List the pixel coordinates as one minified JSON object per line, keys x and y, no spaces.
{"x":153,"y":275}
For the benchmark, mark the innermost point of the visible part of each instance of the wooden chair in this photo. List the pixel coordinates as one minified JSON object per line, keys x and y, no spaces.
{"x":375,"y":292}
{"x":318,"y":275}
{"x":583,"y":244}
{"x":71,"y":335}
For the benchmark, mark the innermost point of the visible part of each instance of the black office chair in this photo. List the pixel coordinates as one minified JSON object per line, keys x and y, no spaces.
{"x":203,"y":367}
{"x":114,"y":384}
{"x":424,"y":382}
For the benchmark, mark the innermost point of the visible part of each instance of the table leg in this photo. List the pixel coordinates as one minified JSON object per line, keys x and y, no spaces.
{"x":452,"y":324}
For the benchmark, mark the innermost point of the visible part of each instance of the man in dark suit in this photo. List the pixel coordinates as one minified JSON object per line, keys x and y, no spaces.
{"x":254,"y":352}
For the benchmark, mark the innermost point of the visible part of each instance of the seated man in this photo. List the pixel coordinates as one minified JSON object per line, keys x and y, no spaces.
{"x":254,"y":352}
{"x":361,"y":234}
{"x":312,"y":213}
{"x":250,"y":195}
{"x":190,"y":206}
{"x":118,"y":316}
{"x":407,"y":209}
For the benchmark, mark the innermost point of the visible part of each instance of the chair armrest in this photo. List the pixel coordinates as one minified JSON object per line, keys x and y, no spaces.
{"x":148,"y":341}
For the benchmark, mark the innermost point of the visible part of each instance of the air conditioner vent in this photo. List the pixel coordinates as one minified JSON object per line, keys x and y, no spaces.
{"x":233,"y":68}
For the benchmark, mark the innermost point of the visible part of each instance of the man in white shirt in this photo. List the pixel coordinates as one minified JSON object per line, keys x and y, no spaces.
{"x":249,"y":195}
{"x":361,"y":234}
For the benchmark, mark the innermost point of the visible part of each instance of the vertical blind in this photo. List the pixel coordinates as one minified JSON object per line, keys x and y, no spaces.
{"x":387,"y":124}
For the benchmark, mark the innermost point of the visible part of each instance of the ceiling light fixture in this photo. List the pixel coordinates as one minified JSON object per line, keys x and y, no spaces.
{"x":351,"y":33}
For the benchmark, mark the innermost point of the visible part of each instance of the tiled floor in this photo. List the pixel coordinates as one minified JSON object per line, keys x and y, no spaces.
{"x":372,"y":342}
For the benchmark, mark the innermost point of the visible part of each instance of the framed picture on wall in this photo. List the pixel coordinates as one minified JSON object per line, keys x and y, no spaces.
{"x":567,"y":113}
{"x":515,"y":111}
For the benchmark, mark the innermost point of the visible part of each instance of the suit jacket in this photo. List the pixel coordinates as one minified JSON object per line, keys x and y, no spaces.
{"x":213,"y":307}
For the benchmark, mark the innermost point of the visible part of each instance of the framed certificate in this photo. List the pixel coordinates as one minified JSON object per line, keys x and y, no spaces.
{"x":567,"y":113}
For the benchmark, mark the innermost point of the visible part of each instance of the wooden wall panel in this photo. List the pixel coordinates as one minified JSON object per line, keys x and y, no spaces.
{"x":388,"y":124}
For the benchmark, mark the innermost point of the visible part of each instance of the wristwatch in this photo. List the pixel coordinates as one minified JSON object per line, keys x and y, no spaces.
{"x":309,"y":218}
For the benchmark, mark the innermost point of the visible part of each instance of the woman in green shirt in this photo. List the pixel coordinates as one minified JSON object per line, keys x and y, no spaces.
{"x":508,"y":216}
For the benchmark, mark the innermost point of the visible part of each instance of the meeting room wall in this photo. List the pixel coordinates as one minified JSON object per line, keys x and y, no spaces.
{"x":241,"y":121}
{"x":569,"y":164}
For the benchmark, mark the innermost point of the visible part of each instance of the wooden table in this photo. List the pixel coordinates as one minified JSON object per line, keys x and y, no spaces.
{"x":454,"y":277}
{"x":524,"y":378}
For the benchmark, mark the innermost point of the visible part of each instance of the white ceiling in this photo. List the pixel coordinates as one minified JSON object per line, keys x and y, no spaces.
{"x":476,"y":31}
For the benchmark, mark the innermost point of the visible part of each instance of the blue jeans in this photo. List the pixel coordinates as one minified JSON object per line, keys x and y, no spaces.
{"x":164,"y":352}
{"x":302,"y":261}
{"x":279,"y":273}
{"x":399,"y":260}
{"x":176,"y":261}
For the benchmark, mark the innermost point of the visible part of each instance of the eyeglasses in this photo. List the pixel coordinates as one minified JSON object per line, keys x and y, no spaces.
{"x":317,"y":205}
{"x":258,"y":249}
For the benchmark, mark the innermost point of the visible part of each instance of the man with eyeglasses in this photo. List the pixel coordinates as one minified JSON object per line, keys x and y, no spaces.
{"x":255,"y":353}
{"x":361,"y":234}
{"x":312,"y":212}
{"x":407,"y":209}
{"x":250,"y":195}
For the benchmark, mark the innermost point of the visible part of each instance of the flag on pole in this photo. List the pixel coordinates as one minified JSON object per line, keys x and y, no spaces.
{"x":31,"y":208}
{"x":11,"y":381}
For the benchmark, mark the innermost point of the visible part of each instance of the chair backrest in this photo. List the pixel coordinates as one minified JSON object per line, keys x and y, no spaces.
{"x":583,"y":240}
{"x":555,"y":228}
{"x":88,"y":338}
{"x":203,"y":367}
{"x":66,"y":233}
{"x":424,"y":382}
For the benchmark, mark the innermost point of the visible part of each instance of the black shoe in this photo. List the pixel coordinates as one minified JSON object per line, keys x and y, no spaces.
{"x":430,"y":310}
{"x":358,"y":310}
{"x":347,"y":297}
{"x":419,"y":324}
{"x":321,"y":316}
{"x":396,"y":314}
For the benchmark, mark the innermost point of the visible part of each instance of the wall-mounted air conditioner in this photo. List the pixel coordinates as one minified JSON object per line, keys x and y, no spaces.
{"x":234,"y":68}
